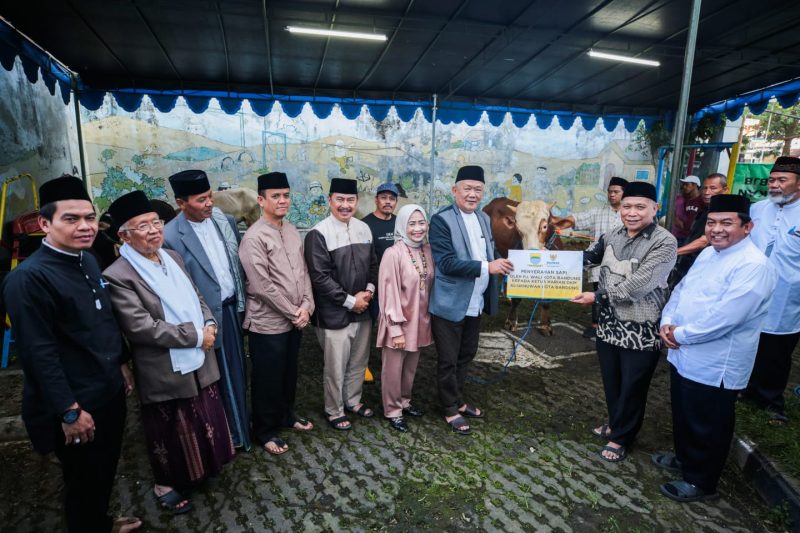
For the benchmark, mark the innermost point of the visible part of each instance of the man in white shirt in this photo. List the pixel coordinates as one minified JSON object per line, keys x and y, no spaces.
{"x":710,"y":326}
{"x":464,"y":286}
{"x":208,"y":242}
{"x":777,"y":234}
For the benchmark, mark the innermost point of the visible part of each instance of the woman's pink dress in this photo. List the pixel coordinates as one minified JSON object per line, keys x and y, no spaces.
{"x":403,"y":306}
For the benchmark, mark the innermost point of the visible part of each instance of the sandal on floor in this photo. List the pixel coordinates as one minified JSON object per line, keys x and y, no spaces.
{"x":470,"y":411}
{"x":362,"y":411}
{"x":777,"y":419}
{"x":123,"y":524}
{"x":682,"y":491}
{"x":280,"y":443}
{"x":604,"y":432}
{"x":458,"y":424}
{"x":666,"y":461}
{"x":170,"y":501}
{"x":334,"y":423}
{"x":305,"y":424}
{"x":620,"y":453}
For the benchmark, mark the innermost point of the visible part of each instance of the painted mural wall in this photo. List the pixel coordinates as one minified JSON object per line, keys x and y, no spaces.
{"x":38,"y":136}
{"x":139,"y":150}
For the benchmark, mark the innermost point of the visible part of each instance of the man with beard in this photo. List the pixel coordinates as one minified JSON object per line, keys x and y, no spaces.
{"x":70,"y":347}
{"x":343,"y":268}
{"x":777,"y":234}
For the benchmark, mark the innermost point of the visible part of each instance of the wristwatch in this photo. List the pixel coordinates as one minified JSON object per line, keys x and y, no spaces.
{"x":70,"y":416}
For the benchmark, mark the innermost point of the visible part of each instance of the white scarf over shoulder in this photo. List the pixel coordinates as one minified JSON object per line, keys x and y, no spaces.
{"x":178,"y":299}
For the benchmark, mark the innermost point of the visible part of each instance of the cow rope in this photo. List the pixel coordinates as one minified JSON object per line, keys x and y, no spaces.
{"x":503,"y":372}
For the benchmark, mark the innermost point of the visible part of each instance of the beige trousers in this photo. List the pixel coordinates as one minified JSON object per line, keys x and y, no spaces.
{"x":397,"y":380}
{"x":346,"y":356}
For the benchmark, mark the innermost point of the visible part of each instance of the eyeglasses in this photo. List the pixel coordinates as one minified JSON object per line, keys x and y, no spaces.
{"x":145,"y":226}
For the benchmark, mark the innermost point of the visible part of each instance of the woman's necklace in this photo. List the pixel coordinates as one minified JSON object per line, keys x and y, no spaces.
{"x":423,"y":274}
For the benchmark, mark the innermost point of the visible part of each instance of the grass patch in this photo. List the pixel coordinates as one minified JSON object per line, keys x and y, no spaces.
{"x":437,"y":507}
{"x":779,"y":443}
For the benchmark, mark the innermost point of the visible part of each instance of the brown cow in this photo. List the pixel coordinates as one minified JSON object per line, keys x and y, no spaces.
{"x":239,"y":203}
{"x":521,"y":225}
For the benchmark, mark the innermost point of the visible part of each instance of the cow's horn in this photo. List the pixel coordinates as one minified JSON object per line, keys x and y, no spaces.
{"x":513,"y":208}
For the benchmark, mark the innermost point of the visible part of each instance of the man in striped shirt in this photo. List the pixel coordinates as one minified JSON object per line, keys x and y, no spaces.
{"x":635,"y":261}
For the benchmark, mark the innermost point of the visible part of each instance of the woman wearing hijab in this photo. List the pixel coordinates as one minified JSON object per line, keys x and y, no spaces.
{"x":171,"y":334}
{"x":404,"y":283}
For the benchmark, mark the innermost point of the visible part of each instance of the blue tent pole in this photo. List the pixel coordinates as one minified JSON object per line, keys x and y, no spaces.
{"x":662,"y":157}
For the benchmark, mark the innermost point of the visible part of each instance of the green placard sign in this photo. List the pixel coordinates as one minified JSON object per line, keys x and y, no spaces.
{"x":750,"y":179}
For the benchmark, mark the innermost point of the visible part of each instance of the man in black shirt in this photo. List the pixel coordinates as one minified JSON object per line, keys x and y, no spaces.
{"x":381,"y":221}
{"x":381,"y":224}
{"x":71,"y":352}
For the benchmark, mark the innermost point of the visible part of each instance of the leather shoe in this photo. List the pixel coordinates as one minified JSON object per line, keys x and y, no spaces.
{"x":413,"y":411}
{"x":399,"y":424}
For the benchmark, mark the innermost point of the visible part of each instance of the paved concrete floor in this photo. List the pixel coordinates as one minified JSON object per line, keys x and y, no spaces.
{"x":531,"y":464}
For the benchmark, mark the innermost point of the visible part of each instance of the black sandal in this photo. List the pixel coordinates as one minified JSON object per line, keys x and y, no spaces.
{"x":470,"y":411}
{"x":334,"y":423}
{"x":604,"y":432}
{"x":621,"y":453}
{"x":280,"y":443}
{"x":458,"y":424}
{"x":170,"y":501}
{"x":362,"y":411}
{"x":303,"y":422}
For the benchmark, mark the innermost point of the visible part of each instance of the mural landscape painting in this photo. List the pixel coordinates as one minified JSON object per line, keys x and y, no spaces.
{"x":127,"y":151}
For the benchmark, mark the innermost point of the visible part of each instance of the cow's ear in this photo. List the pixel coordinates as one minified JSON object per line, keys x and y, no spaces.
{"x":509,"y":222}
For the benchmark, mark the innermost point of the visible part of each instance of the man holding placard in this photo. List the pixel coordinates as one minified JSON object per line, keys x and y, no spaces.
{"x":635,"y":261}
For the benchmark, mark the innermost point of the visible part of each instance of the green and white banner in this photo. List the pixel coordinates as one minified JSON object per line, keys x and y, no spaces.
{"x":750,"y":179}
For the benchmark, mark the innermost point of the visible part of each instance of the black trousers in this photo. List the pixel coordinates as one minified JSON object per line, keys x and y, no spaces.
{"x":456,"y":346}
{"x":273,"y":383}
{"x":626,"y":380}
{"x":89,"y":469}
{"x":703,"y":418}
{"x":771,"y":371}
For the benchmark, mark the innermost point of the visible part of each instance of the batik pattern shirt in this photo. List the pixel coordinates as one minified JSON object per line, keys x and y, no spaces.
{"x":633,"y":285}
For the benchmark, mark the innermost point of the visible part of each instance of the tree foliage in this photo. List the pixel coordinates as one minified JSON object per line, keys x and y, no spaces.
{"x":648,"y":141}
{"x":784,"y":126}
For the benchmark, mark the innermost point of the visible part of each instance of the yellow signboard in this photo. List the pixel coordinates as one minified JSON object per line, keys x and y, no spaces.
{"x":545,"y":274}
